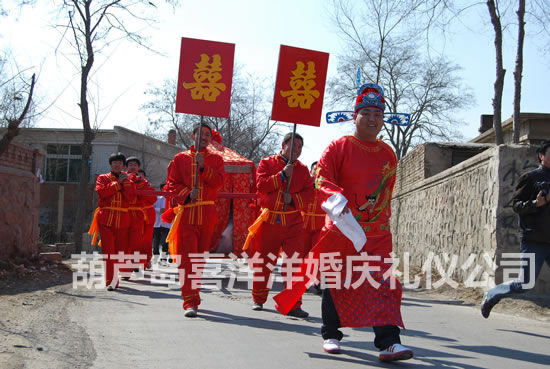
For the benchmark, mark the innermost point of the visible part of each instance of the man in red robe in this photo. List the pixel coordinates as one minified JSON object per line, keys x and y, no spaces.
{"x":150,"y":214}
{"x":142,"y":214}
{"x":280,"y":224}
{"x":314,"y":217}
{"x":356,"y":175}
{"x":115,"y":191}
{"x":314,"y":220}
{"x":196,"y":214}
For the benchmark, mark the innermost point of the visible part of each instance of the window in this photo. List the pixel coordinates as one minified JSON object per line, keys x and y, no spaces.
{"x":62,"y":163}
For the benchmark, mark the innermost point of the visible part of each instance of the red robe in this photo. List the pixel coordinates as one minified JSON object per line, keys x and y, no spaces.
{"x":364,"y":172}
{"x":142,"y":220}
{"x":280,"y":228}
{"x":195,"y":221}
{"x":314,"y":220}
{"x":113,"y":219}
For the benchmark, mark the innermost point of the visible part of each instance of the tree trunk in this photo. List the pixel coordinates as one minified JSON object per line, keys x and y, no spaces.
{"x":89,"y":136}
{"x":519,"y":70}
{"x":13,"y":124}
{"x":500,"y":72}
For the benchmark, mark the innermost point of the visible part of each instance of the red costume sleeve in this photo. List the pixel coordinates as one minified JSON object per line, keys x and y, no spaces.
{"x":145,"y":200}
{"x":304,"y":195}
{"x":213,"y":172}
{"x":179,"y":176}
{"x":106,"y":188}
{"x":129,"y":192}
{"x":268,"y":176}
{"x":327,"y":172}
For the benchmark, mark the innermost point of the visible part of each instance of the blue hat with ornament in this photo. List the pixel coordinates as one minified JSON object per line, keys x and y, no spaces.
{"x":370,"y":95}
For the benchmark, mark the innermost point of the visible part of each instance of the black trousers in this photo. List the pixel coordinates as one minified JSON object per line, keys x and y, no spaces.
{"x":159,"y":238}
{"x":384,"y":336}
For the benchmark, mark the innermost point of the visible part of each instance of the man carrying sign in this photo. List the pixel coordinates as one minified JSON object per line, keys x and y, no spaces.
{"x":196,"y":214}
{"x":280,"y":224}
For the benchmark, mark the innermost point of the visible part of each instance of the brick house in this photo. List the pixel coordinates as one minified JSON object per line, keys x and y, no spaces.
{"x":61,"y":169}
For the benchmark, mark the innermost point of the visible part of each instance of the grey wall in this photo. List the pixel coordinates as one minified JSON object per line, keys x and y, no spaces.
{"x":464,"y":210}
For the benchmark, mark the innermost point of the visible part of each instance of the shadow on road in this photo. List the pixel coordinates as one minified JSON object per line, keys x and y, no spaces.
{"x":526,"y":333}
{"x":520,"y":355}
{"x":260,"y":322}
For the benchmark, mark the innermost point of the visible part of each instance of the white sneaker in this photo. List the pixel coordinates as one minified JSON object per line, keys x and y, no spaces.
{"x":395,"y":352}
{"x":190,"y":312}
{"x":332,"y":346}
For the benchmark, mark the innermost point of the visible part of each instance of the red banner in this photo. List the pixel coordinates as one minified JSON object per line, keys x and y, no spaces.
{"x":205,"y":77}
{"x":300,"y":86}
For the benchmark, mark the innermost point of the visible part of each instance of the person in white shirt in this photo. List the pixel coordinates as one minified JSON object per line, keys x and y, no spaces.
{"x":161,"y":229}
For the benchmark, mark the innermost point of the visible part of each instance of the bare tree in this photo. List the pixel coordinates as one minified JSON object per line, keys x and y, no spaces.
{"x":16,"y":93}
{"x":387,"y":53}
{"x":14,"y":85}
{"x":18,"y":4}
{"x":500,"y":71}
{"x":90,"y":27}
{"x":248,"y":130}
{"x":538,"y":11}
{"x":13,"y":123}
{"x":519,"y":70}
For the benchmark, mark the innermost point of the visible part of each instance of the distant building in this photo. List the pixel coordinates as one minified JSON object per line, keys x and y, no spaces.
{"x":534,"y":128}
{"x":61,"y":168}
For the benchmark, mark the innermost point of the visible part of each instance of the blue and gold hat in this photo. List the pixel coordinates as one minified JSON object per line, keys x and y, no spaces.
{"x":370,"y":95}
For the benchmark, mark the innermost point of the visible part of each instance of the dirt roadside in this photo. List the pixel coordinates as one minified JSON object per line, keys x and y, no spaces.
{"x":35,"y":331}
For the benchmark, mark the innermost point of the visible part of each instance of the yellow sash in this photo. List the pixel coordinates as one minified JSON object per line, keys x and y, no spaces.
{"x":94,"y":227}
{"x":264,"y":215}
{"x":172,"y":237}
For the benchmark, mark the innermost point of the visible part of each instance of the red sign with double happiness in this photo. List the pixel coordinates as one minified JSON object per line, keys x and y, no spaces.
{"x":300,"y":86}
{"x":205,"y":77}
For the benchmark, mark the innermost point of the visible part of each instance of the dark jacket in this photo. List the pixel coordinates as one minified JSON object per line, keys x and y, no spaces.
{"x":534,"y":222}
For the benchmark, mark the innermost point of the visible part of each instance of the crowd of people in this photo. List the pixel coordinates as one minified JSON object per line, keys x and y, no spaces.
{"x":341,"y":204}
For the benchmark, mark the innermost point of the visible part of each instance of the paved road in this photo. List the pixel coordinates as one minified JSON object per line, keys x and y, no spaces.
{"x":141,"y":325}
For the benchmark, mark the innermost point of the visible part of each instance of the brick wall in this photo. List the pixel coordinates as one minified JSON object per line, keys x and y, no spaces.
{"x":410,"y":169}
{"x":19,"y":201}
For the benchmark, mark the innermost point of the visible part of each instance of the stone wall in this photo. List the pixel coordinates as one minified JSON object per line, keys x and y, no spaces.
{"x":462,"y":211}
{"x":19,"y":201}
{"x":513,"y":162}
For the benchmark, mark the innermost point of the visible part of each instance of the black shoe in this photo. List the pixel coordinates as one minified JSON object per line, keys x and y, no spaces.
{"x":298,"y":313}
{"x":487,"y":306}
{"x":257,"y":306}
{"x":110,"y":288}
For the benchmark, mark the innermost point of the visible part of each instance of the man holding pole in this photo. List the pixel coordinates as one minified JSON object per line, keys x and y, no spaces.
{"x":195,"y":176}
{"x":285,"y":188}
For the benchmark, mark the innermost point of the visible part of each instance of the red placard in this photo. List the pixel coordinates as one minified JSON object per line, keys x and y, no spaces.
{"x":205,"y":77}
{"x":300,"y":86}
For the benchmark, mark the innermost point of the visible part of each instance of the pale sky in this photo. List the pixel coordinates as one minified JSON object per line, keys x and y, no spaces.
{"x":257,"y":28}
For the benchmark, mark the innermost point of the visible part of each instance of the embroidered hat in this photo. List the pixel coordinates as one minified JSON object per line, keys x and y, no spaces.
{"x":370,"y":95}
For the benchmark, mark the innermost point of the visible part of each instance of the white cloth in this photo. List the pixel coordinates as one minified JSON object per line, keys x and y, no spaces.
{"x":159,"y":205}
{"x":346,"y":223}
